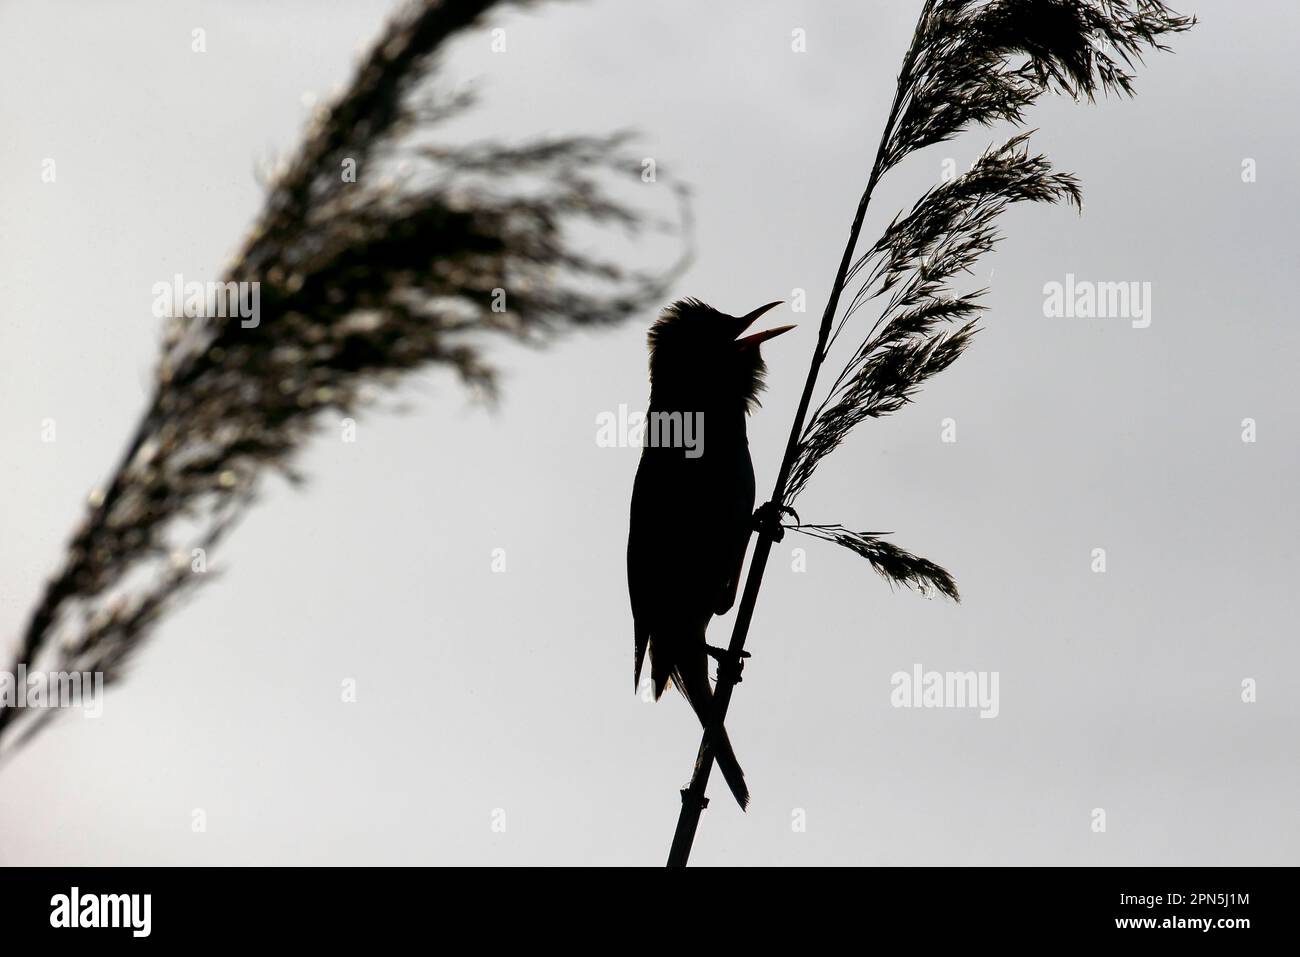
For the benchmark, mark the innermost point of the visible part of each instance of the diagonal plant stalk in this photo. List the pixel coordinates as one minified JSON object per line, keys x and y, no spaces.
{"x":693,"y":797}
{"x":959,"y":70}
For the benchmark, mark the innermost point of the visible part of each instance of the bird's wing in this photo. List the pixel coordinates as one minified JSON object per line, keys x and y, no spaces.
{"x":643,"y":554}
{"x":736,"y":518}
{"x":673,"y":568}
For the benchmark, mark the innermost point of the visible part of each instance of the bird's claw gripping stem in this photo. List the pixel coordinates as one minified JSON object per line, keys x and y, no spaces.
{"x":729,"y":668}
{"x":767,"y":520}
{"x":690,"y":797}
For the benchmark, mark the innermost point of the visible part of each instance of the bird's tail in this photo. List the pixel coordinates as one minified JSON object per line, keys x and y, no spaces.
{"x":693,"y":682}
{"x":730,"y":767}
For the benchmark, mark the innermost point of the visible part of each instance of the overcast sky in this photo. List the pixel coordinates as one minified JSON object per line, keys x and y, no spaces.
{"x":506,"y":698}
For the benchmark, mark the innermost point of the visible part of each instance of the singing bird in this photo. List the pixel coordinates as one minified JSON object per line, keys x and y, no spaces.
{"x":693,"y":499}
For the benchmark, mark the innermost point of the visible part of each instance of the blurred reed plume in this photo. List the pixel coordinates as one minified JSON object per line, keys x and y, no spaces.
{"x":970,"y":62}
{"x":361,"y":279}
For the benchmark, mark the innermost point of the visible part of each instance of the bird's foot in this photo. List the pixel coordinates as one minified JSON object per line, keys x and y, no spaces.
{"x":729,"y":667}
{"x":689,"y":797}
{"x":721,"y":653}
{"x":767,"y":520}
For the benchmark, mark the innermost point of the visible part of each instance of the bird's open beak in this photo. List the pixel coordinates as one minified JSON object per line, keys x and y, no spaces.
{"x":759,"y":337}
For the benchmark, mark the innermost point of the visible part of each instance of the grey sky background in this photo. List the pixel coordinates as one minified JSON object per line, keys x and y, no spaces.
{"x":479,"y":691}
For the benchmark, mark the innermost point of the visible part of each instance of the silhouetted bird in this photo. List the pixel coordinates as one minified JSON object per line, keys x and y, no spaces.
{"x":693,"y":499}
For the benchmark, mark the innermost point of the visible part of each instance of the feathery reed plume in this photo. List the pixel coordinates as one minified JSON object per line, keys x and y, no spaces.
{"x":896,"y":565}
{"x":361,"y":280}
{"x":970,"y":62}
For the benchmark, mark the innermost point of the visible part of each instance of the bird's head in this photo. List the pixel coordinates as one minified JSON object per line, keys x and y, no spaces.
{"x":700,"y":357}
